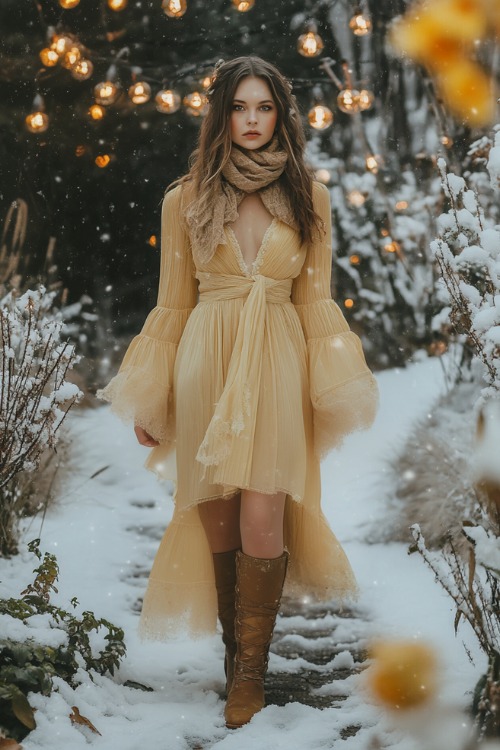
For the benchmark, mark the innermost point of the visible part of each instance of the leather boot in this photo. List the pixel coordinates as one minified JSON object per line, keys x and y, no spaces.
{"x":225,"y":582}
{"x":258,"y":593}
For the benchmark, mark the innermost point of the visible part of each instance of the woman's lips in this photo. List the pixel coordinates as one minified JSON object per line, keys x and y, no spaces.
{"x":251,"y":135}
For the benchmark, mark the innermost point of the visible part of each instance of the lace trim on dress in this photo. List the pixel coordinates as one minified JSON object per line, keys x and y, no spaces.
{"x":259,"y":258}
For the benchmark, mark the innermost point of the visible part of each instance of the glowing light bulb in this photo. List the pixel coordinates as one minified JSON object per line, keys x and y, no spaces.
{"x":365,"y":99}
{"x":67,"y":4}
{"x":102,"y":160}
{"x":320,"y":117}
{"x":360,"y":24}
{"x":167,"y":101}
{"x":37,"y":122}
{"x":140,"y":92}
{"x":348,"y":101}
{"x":96,"y":112}
{"x":323,"y":175}
{"x":310,"y":44}
{"x":348,"y":302}
{"x":71,"y":57}
{"x":106,"y":92}
{"x":117,"y":4}
{"x":356,"y":198}
{"x":174,"y":8}
{"x":82,"y":70}
{"x":49,"y":57}
{"x":243,"y":5}
{"x":196,"y":104}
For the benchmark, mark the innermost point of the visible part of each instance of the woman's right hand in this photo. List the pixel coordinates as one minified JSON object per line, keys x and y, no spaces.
{"x":145,"y":438}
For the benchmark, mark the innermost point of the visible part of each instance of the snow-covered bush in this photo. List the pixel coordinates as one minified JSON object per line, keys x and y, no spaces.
{"x":35,"y":395}
{"x":467,"y":252}
{"x":383,"y":271}
{"x":28,"y":665}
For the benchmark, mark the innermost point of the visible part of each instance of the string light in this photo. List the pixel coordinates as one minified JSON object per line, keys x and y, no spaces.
{"x":82,"y":70}
{"x":323,"y":175}
{"x":372,"y":164}
{"x":196,"y":104}
{"x":310,"y":44}
{"x":392,"y":247}
{"x":49,"y":57}
{"x":320,"y":117}
{"x":355,"y":260}
{"x":401,"y":205}
{"x":37,"y":122}
{"x":80,"y":150}
{"x":61,"y":43}
{"x":71,"y":57}
{"x":348,"y":302}
{"x":102,"y":160}
{"x":68,"y":4}
{"x":365,"y":99}
{"x":447,"y":141}
{"x":140,"y":92}
{"x":360,"y":24}
{"x":97,"y":112}
{"x":167,"y":101}
{"x":356,"y":198}
{"x":348,"y":101}
{"x":243,"y":5}
{"x":106,"y":92}
{"x":174,"y":8}
{"x":117,"y":4}
{"x":152,"y":240}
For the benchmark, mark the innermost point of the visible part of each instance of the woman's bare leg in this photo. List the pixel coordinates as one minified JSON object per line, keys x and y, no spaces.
{"x":261,"y":523}
{"x":221,"y":521}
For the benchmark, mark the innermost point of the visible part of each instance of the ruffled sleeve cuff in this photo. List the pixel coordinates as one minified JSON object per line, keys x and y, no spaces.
{"x":344,"y":393}
{"x":141,"y":391}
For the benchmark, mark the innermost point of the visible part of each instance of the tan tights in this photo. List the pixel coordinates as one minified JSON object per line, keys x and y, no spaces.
{"x":250,"y":521}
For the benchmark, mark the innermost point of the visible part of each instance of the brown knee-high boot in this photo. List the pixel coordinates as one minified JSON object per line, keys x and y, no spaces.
{"x":258,"y":593}
{"x":225,"y":582}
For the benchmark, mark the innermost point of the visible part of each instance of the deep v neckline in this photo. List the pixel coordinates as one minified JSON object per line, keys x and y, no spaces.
{"x":260,"y":252}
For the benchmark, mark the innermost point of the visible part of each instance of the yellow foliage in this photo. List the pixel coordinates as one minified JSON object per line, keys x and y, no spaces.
{"x":403,"y":673}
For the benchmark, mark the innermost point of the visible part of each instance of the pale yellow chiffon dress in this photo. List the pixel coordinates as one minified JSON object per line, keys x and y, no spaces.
{"x":247,"y":376}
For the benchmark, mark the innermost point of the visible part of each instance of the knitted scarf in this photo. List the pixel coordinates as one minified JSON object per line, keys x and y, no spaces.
{"x":245,"y":172}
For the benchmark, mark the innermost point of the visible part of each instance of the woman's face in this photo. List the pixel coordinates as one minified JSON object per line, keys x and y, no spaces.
{"x":254,"y":114}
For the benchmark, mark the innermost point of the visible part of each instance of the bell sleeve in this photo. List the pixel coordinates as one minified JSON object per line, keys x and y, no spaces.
{"x":344,"y":393}
{"x":142,"y":389}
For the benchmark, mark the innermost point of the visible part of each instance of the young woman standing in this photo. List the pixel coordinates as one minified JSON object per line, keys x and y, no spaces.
{"x":243,"y":376}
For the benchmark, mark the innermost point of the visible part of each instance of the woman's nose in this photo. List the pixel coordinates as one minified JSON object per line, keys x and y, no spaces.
{"x":252,"y":116}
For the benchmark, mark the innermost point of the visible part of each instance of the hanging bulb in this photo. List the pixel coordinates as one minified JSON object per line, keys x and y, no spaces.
{"x":174,"y":8}
{"x":71,"y":57}
{"x":320,"y":117}
{"x":372,"y":164}
{"x":206,"y":82}
{"x":167,"y":101}
{"x":102,"y":160}
{"x":49,"y":57}
{"x":356,"y":198}
{"x":243,"y":5}
{"x":67,"y":4}
{"x":365,"y":99}
{"x":117,"y":4}
{"x":323,"y":175}
{"x":360,"y":24}
{"x":140,"y":92}
{"x":97,"y":112}
{"x":106,"y":92}
{"x":82,"y":70}
{"x":196,"y":104}
{"x":310,"y":44}
{"x":348,"y":101}
{"x":61,"y":43}
{"x":37,"y":121}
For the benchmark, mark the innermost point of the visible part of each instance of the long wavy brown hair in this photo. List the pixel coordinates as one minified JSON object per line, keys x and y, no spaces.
{"x":214,"y":140}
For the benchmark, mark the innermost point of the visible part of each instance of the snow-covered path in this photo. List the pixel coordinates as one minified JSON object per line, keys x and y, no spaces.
{"x":105,"y":530}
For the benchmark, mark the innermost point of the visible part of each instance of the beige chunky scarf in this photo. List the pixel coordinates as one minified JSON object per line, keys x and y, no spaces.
{"x":245,"y":172}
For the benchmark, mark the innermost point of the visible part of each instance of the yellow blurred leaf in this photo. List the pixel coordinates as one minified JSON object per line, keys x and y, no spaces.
{"x":77,"y":718}
{"x":468,"y":92}
{"x":403,"y":673}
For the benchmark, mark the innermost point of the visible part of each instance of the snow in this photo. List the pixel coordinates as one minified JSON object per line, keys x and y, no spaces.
{"x":105,"y":527}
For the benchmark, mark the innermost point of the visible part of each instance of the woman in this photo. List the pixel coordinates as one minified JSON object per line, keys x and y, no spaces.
{"x":248,"y":369}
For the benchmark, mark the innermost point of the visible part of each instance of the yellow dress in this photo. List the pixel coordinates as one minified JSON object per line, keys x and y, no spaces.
{"x":247,"y":376}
